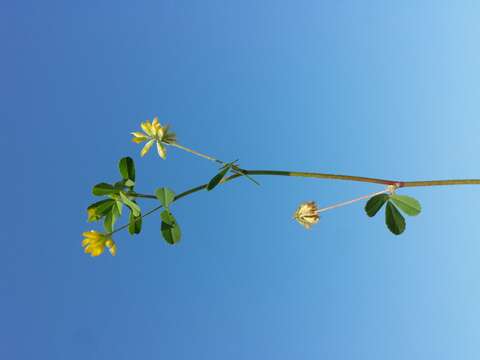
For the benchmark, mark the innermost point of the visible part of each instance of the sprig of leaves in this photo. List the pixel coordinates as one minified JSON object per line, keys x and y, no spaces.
{"x":395,"y":205}
{"x":169,"y":227}
{"x":110,"y":209}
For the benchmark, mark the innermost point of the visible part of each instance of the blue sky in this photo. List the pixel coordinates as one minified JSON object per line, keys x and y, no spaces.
{"x":376,"y":88}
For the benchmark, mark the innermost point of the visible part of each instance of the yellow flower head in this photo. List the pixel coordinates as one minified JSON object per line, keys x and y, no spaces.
{"x":307,"y":214}
{"x":95,"y":243}
{"x":154,"y":133}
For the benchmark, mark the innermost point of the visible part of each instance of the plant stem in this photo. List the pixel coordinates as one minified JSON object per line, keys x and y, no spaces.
{"x":344,"y":203}
{"x":191,"y":151}
{"x":234,"y":167}
{"x":399,"y":184}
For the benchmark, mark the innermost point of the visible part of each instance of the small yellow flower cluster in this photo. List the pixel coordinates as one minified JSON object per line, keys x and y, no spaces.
{"x":95,"y":243}
{"x":307,"y":214}
{"x":154,"y":132}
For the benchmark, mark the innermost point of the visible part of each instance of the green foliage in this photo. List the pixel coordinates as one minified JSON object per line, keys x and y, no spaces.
{"x":127,"y":169}
{"x":134,"y":224}
{"x":122,"y":193}
{"x":103,"y":189}
{"x":133,"y":206}
{"x":119,"y":185}
{"x":111,"y":209}
{"x":407,"y":204}
{"x":165,"y":196}
{"x":375,"y":203}
{"x":110,"y":220}
{"x":119,"y":206}
{"x":170,"y":228}
{"x":394,"y":220}
{"x":99,"y":209}
{"x":393,"y":217}
{"x":219,"y":177}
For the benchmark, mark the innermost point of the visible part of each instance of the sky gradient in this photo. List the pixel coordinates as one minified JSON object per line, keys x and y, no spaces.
{"x":376,"y":88}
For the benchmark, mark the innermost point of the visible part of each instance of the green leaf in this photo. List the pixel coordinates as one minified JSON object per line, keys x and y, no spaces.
{"x":165,"y":195}
{"x":116,"y":210}
{"x":407,"y":204}
{"x":375,"y":203}
{"x":103,"y":189}
{"x":394,"y":219}
{"x":110,"y":220}
{"x":98,"y":210}
{"x":119,"y":185}
{"x":127,"y":168}
{"x":217,"y":178}
{"x":133,"y":206}
{"x":169,"y":228}
{"x":134,"y":224}
{"x":119,"y":206}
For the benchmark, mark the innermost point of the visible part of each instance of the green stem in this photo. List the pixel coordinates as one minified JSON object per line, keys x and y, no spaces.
{"x":441,"y":182}
{"x":191,"y":151}
{"x":234,"y":168}
{"x":307,"y":175}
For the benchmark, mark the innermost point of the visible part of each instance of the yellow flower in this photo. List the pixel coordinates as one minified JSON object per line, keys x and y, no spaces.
{"x":307,"y":214}
{"x":95,"y":243}
{"x":112,"y":247}
{"x":154,"y":132}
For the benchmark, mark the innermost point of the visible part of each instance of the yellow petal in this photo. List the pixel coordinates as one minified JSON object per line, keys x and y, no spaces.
{"x":91,"y":249}
{"x":113,"y":250}
{"x":139,"y":140}
{"x":147,"y":147}
{"x":147,"y":127}
{"x":92,"y":235}
{"x":109,"y":243}
{"x":155,"y":123}
{"x":138,"y":134}
{"x":161,"y":150}
{"x":97,"y":251}
{"x":85,"y":242}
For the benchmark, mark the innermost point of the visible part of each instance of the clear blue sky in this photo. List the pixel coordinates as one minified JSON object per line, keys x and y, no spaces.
{"x":374,"y":88}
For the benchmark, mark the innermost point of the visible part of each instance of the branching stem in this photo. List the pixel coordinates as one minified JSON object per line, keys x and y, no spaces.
{"x":398,"y":184}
